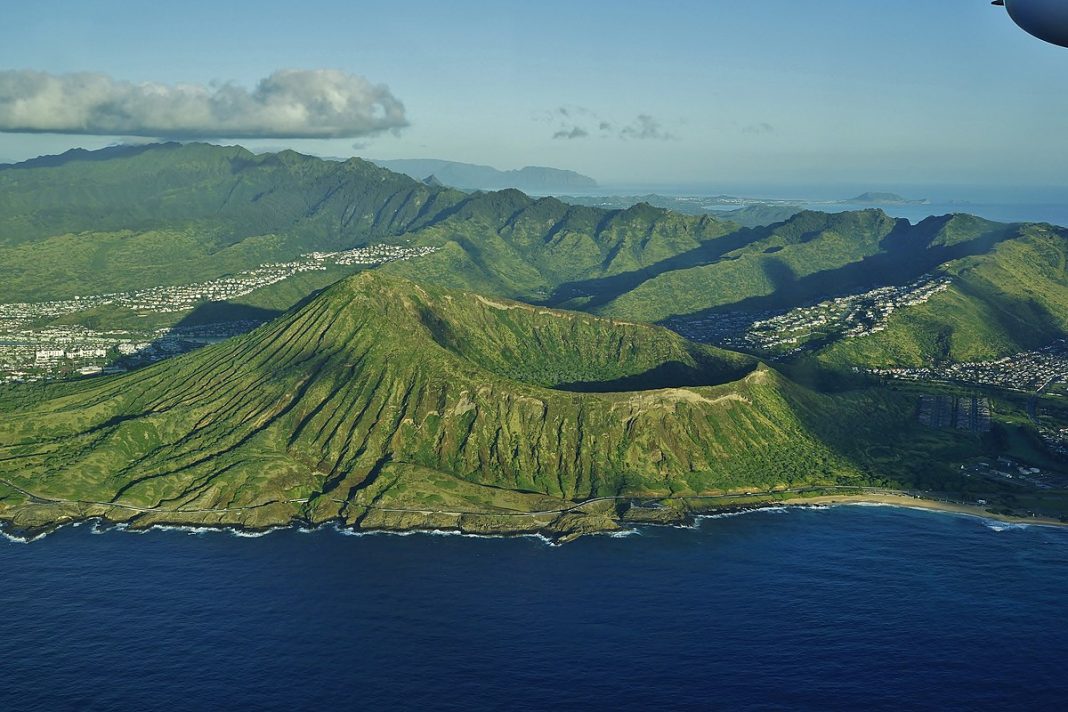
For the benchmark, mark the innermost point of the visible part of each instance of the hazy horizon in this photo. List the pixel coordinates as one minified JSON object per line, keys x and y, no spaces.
{"x":770,"y":93}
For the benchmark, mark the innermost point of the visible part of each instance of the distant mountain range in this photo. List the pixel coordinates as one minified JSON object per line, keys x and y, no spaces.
{"x":468,"y":176}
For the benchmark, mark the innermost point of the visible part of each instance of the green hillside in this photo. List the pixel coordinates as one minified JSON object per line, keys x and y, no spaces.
{"x":1013,"y":298}
{"x":136,"y":217}
{"x":649,"y":264}
{"x":387,"y":404}
{"x":88,"y":223}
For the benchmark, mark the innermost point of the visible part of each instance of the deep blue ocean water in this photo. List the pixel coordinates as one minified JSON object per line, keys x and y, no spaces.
{"x":844,"y":608}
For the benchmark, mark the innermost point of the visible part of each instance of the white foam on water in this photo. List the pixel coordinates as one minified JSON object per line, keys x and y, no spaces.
{"x":995,"y":525}
{"x":689,"y":527}
{"x":14,"y":539}
{"x":251,"y":534}
{"x":190,"y":530}
{"x":348,"y":531}
{"x":999,"y":526}
{"x":742,"y":512}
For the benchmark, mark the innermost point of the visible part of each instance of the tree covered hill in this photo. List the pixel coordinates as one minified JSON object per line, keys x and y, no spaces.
{"x":136,"y":217}
{"x":386,"y":403}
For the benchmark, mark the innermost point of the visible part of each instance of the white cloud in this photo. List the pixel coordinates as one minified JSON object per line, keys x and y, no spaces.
{"x":290,"y":103}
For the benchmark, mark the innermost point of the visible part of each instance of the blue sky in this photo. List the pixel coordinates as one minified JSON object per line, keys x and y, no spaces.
{"x":775,"y":92}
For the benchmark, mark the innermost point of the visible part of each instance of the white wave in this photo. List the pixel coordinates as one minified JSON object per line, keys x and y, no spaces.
{"x":694,"y":526}
{"x":742,"y":512}
{"x":995,"y":525}
{"x":101,"y":526}
{"x":15,"y":539}
{"x":188,"y":529}
{"x":999,"y":526}
{"x":251,"y":534}
{"x":349,"y":531}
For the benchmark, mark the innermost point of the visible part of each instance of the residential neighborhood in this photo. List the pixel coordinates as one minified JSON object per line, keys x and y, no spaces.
{"x":785,"y":333}
{"x":1027,"y":371}
{"x":33,"y":349}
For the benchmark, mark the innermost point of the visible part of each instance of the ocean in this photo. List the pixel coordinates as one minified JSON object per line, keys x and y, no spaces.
{"x":874,"y":608}
{"x":1000,"y":204}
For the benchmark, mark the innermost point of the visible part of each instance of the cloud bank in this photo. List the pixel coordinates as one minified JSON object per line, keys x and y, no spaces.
{"x":290,"y":103}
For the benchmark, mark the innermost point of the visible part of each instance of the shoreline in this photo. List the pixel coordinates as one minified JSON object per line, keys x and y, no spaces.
{"x":689,"y":519}
{"x":927,"y":505}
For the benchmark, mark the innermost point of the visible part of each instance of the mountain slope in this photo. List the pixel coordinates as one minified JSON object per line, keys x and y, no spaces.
{"x":538,"y":250}
{"x":650,"y":264}
{"x":1010,"y":299}
{"x":391,"y":405}
{"x":138,"y":217}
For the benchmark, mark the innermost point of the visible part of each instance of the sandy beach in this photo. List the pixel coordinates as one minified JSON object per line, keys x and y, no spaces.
{"x":904,"y":500}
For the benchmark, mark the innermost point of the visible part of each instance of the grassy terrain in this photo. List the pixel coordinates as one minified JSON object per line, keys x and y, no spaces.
{"x":137,"y":217}
{"x":1013,"y":298}
{"x":418,"y":395}
{"x":134,"y":217}
{"x":381,"y":395}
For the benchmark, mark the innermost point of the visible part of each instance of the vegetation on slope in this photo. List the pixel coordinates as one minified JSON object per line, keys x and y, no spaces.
{"x":381,"y":395}
{"x":137,"y":217}
{"x":1013,"y":298}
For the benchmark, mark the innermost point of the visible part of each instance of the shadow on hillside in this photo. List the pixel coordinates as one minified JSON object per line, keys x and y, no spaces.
{"x":602,"y":290}
{"x":219,"y":312}
{"x":206,"y":324}
{"x":907,"y":254}
{"x":673,"y":374}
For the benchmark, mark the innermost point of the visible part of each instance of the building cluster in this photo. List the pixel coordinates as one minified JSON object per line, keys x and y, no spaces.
{"x":726,"y":329}
{"x":1027,"y":371}
{"x":31,"y":351}
{"x":58,"y":351}
{"x":1009,"y":470}
{"x":185,"y":297}
{"x":786,"y":333}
